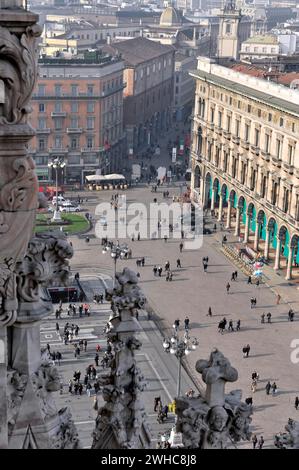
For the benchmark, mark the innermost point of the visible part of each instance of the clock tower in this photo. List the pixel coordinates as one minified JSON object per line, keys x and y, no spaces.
{"x":228,"y":39}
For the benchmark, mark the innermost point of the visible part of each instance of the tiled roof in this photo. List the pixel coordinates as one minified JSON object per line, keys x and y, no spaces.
{"x":137,"y":50}
{"x":262,"y":39}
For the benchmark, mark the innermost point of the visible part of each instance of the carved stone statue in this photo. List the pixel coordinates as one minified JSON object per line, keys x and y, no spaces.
{"x":121,"y":421}
{"x":289,"y":439}
{"x":215,"y":420}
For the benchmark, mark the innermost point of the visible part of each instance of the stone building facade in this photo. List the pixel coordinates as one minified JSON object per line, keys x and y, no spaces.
{"x":78,"y":115}
{"x":245,"y":159}
{"x":148,"y":95}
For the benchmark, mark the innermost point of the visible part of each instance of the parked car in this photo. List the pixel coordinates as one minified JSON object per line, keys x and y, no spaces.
{"x":69,"y":207}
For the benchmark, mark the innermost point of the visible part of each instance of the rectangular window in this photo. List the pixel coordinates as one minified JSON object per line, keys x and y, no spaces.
{"x":41,"y":144}
{"x":41,"y":107}
{"x":281,"y":122}
{"x":58,"y":142}
{"x":74,"y":143}
{"x":291,"y":153}
{"x":89,"y":142}
{"x":269,"y":117}
{"x":41,"y":90}
{"x":278,"y":148}
{"x":219,"y":119}
{"x":58,"y":123}
{"x":228,"y":122}
{"x":238,"y":123}
{"x":267,"y":143}
{"x":249,"y":108}
{"x":74,"y":107}
{"x":42,"y":123}
{"x":74,"y":90}
{"x":74,"y":122}
{"x":212,"y":115}
{"x":90,"y":107}
{"x":90,"y":123}
{"x":246,"y":135}
{"x":57,"y":90}
{"x":58,"y":107}
{"x":90,"y":90}
{"x":256,"y":137}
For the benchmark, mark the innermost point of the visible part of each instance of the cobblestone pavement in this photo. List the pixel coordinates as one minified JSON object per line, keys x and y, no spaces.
{"x":192,"y":292}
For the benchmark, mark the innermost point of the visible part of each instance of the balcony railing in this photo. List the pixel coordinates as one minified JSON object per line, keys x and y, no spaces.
{"x":45,"y":130}
{"x":245,"y":144}
{"x":289,"y":168}
{"x":58,"y":150}
{"x":235,"y":139}
{"x":276,"y":161}
{"x":74,"y":130}
{"x":255,"y":149}
{"x":265,"y":155}
{"x":91,"y":149}
{"x":56,"y":114}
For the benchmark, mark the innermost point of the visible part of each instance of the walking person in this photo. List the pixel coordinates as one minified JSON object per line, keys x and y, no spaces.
{"x":262,"y":318}
{"x":157,"y":401}
{"x":186,"y":322}
{"x":269,"y":317}
{"x":155,"y":269}
{"x":296,"y":403}
{"x":181,"y":247}
{"x":274,"y":388}
{"x":57,"y":328}
{"x":238,"y":327}
{"x":227,"y":287}
{"x":231,"y":326}
{"x":178,"y":263}
{"x":254,"y":441}
{"x":96,"y":360}
{"x":249,"y":281}
{"x":247,"y":350}
{"x":261,"y":442}
{"x":85,"y":345}
{"x":278,"y":299}
{"x":268,"y":388}
{"x":209,"y":314}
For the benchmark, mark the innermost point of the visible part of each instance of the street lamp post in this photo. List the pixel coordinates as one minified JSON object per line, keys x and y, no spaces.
{"x":57,"y":163}
{"x":116,"y":252}
{"x":180,"y":347}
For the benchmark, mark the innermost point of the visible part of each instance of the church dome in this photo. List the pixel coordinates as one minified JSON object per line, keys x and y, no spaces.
{"x":170,"y":17}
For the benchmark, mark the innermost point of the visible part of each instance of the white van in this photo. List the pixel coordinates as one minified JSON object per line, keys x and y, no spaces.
{"x":61,"y":200}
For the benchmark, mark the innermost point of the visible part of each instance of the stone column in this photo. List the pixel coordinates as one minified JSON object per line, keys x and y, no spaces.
{"x":246,"y":234}
{"x":220,"y":208}
{"x":228,"y":215}
{"x":18,"y":182}
{"x":237,"y":228}
{"x":256,"y":236}
{"x":290,"y":261}
{"x":277,"y":255}
{"x":213,"y":200}
{"x":267,"y":244}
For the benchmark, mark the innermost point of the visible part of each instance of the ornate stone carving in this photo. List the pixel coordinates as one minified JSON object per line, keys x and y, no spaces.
{"x":67,"y":435}
{"x":121,"y":421}
{"x":289,"y":439}
{"x":216,"y":420}
{"x":45,"y":263}
{"x":18,"y":71}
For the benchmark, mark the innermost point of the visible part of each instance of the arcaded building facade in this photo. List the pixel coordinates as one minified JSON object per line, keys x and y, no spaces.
{"x":245,"y":159}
